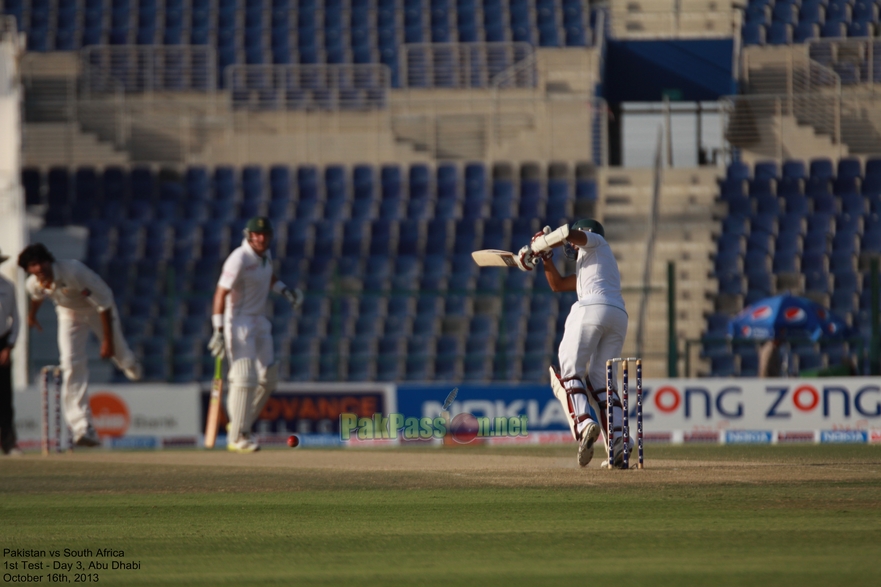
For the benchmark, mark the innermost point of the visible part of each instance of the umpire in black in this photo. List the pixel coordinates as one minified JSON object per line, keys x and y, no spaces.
{"x":8,"y":335}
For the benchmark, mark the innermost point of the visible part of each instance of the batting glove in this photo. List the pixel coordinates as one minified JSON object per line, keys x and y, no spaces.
{"x":215,"y":345}
{"x":295,"y":297}
{"x":543,"y":232}
{"x":525,"y":259}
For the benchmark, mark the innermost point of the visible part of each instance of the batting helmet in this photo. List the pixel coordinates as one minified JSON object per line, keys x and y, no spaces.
{"x":589,"y":225}
{"x":258,"y":224}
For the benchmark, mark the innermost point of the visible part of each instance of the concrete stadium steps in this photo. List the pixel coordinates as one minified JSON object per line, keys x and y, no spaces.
{"x":553,"y":121}
{"x":51,"y":143}
{"x":782,"y":71}
{"x":684,"y":234}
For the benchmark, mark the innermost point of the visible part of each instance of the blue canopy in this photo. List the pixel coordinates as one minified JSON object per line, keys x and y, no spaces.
{"x":786,"y":316}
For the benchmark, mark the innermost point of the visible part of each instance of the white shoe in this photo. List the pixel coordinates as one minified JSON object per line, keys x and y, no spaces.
{"x":588,"y":437}
{"x":242,"y":445}
{"x":134,"y":373}
{"x":15,"y":452}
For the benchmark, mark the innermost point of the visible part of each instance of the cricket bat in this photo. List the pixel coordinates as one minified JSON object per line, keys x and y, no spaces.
{"x":214,"y":404}
{"x":493,"y":258}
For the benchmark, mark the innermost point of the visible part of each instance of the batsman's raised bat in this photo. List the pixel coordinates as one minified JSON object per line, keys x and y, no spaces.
{"x":493,"y":258}
{"x":214,"y":404}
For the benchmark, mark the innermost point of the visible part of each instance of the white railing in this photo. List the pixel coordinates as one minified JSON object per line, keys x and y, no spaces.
{"x":773,"y":126}
{"x":856,"y":61}
{"x":309,"y":87}
{"x":144,"y":69}
{"x":468,"y":65}
{"x":486,"y":127}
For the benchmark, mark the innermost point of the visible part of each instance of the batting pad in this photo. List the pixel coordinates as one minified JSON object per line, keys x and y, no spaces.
{"x":560,"y":394}
{"x":242,"y":383}
{"x":262,"y":394}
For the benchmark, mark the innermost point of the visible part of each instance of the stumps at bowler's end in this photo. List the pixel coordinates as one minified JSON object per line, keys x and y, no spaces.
{"x":51,"y":379}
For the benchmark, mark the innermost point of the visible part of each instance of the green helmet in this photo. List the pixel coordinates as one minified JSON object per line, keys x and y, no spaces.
{"x":589,"y":225}
{"x":259,"y":224}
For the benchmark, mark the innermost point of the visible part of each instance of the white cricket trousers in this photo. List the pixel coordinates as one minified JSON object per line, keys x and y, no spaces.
{"x":593,"y":333}
{"x":73,"y":334}
{"x":250,"y":337}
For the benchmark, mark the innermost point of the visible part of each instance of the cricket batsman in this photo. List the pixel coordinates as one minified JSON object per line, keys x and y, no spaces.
{"x":242,"y":329}
{"x":594,"y":332}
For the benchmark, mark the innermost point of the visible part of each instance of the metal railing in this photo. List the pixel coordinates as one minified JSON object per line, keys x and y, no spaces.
{"x":856,"y":61}
{"x":486,"y":126}
{"x":796,"y":74}
{"x":758,"y":123}
{"x":139,"y":69}
{"x":800,"y":91}
{"x":309,"y":87}
{"x":468,"y":65}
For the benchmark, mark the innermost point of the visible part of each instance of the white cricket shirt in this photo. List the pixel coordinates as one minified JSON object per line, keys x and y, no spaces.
{"x":597,"y":277}
{"x":8,"y":311}
{"x":75,"y":286}
{"x":248,"y":277}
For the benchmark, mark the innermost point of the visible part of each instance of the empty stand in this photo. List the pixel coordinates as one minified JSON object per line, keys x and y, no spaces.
{"x":170,"y":230}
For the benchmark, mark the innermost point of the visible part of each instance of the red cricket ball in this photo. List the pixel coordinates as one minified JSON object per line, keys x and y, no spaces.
{"x":293,"y":440}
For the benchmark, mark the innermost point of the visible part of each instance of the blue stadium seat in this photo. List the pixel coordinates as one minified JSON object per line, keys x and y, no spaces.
{"x":418,"y":204}
{"x":434,"y":273}
{"x":838,"y":11}
{"x":559,"y":202}
{"x":407,"y":269}
{"x":731,"y":284}
{"x":778,"y":33}
{"x":833,"y":29}
{"x":494,"y":234}
{"x":736,"y":225}
{"x":380,"y":237}
{"x":795,"y":203}
{"x":760,"y":241}
{"x":805,"y":31}
{"x":531,"y":202}
{"x":390,"y":204}
{"x":812,"y":11}
{"x":865,"y":11}
{"x":362,"y":183}
{"x":503,"y":200}
{"x":732,"y":187}
{"x":794,"y":169}
{"x":762,"y":222}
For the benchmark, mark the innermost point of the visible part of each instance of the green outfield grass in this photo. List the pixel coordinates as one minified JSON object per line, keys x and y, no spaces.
{"x":800,"y":515}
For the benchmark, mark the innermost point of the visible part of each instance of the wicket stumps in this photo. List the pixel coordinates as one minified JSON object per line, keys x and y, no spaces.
{"x":612,"y":377}
{"x":50,"y":376}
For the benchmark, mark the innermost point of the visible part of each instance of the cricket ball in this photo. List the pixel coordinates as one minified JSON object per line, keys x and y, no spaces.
{"x":293,"y":440}
{"x":464,"y":428}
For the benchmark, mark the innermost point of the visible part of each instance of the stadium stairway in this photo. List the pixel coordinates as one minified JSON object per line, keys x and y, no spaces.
{"x":683,"y":234}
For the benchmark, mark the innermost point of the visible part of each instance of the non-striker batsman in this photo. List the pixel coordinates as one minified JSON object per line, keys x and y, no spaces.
{"x":243,"y":330}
